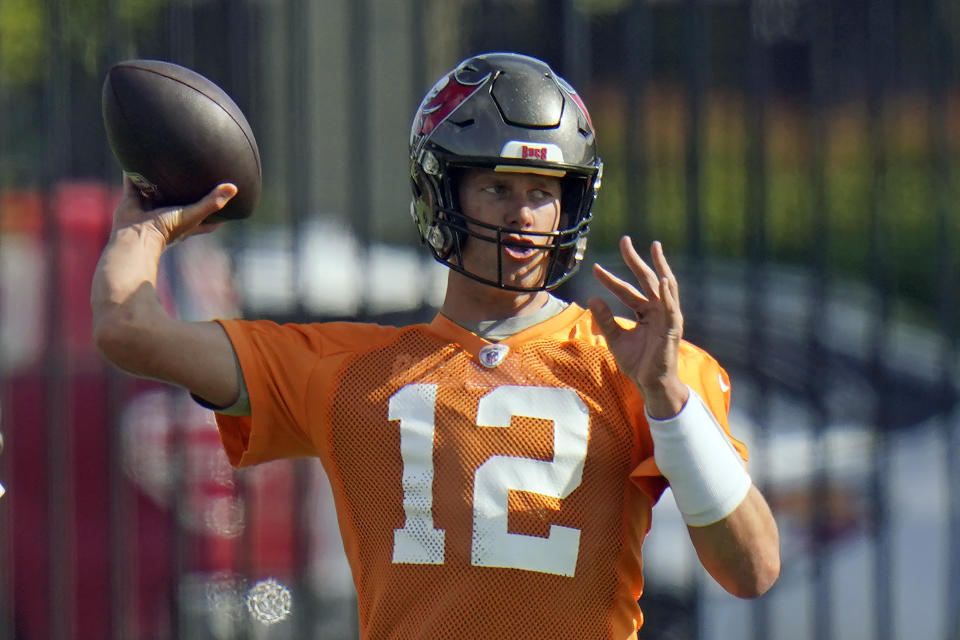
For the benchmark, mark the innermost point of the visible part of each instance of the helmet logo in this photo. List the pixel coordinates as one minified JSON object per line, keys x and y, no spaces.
{"x":542,"y":151}
{"x":445,"y":96}
{"x":538,"y":153}
{"x":492,"y":355}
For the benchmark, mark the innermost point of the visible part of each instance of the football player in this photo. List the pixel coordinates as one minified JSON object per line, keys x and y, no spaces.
{"x":495,"y":469}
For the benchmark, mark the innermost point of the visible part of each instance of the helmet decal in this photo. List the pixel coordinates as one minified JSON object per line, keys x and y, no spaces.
{"x":576,"y":98}
{"x":445,"y":96}
{"x":545,"y":151}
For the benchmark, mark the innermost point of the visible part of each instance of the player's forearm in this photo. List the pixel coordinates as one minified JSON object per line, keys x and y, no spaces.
{"x":134,"y":332}
{"x":129,"y":260}
{"x":123,"y":299}
{"x":742,"y":551}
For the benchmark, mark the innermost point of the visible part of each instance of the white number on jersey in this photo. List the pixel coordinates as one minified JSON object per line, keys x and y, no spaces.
{"x":419,"y":542}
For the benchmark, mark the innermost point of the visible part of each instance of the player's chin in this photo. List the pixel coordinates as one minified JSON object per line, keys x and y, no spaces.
{"x":527,"y":275}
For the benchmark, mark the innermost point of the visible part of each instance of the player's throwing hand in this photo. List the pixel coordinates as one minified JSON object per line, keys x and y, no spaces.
{"x":169,"y":224}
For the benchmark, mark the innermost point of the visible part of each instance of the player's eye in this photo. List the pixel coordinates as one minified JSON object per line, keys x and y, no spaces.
{"x":541,"y":195}
{"x":496,"y":189}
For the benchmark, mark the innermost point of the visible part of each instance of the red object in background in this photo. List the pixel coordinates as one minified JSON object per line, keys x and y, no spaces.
{"x":83,"y":213}
{"x":51,"y":374}
{"x":188,"y":524}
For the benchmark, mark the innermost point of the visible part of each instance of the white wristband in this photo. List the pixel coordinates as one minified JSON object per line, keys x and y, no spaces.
{"x":706,"y":474}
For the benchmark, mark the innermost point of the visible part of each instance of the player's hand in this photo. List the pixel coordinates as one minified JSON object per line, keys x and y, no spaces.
{"x":169,"y":224}
{"x":647,"y":353}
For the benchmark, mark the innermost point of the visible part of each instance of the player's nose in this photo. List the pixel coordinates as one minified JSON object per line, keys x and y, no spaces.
{"x":519,"y":213}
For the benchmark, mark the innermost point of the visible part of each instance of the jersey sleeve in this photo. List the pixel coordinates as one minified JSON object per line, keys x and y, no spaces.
{"x":704,"y":374}
{"x":277,"y":362}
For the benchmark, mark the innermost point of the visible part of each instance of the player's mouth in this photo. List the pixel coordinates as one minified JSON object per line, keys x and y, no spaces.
{"x":520,"y":248}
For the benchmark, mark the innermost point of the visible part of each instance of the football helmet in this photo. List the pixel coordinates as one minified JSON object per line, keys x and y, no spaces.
{"x":509,"y":112}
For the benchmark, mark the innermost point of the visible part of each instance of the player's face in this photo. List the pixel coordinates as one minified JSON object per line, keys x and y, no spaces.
{"x":517,"y":202}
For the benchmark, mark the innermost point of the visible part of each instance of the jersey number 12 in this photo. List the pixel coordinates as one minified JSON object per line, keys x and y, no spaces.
{"x":420,"y":542}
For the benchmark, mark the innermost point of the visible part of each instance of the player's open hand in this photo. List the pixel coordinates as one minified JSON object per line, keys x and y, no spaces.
{"x":646,"y":353}
{"x":169,"y":224}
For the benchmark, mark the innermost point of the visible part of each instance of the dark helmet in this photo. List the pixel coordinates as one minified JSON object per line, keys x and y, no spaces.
{"x":502,"y":110}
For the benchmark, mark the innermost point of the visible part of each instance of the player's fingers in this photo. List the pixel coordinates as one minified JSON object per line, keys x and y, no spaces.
{"x":672,"y":308}
{"x":663,"y":268}
{"x":604,"y":318}
{"x":180,"y":222}
{"x":669,"y":290}
{"x":625,"y":292}
{"x":217,"y":199}
{"x":646,"y":277}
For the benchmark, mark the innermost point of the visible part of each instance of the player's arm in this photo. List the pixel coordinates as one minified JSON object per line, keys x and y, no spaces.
{"x":130,"y":325}
{"x":728,"y":519}
{"x":742,"y":550}
{"x":730,"y":524}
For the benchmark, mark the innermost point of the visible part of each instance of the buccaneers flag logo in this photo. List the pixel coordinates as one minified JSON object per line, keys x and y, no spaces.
{"x":447,"y":94}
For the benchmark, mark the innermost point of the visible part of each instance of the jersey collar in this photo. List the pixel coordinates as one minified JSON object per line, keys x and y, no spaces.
{"x":557,"y":325}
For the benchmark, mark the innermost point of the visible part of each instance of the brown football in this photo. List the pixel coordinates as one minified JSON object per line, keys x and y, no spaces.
{"x":177,"y":135}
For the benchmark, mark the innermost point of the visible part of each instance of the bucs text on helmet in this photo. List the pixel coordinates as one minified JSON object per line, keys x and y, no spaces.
{"x":509,"y":111}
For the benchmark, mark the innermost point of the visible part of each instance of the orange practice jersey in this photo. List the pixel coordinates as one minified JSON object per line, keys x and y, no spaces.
{"x":498,"y":492}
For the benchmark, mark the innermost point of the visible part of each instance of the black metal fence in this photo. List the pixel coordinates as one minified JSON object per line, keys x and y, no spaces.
{"x":797,"y":157}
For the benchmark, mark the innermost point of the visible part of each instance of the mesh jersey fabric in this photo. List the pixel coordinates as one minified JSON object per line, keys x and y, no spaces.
{"x":474,"y":502}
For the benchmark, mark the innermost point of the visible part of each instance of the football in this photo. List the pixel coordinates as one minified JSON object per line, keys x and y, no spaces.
{"x":177,"y":135}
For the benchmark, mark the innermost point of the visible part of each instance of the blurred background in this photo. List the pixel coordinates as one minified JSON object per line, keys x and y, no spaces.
{"x":798,"y":158}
